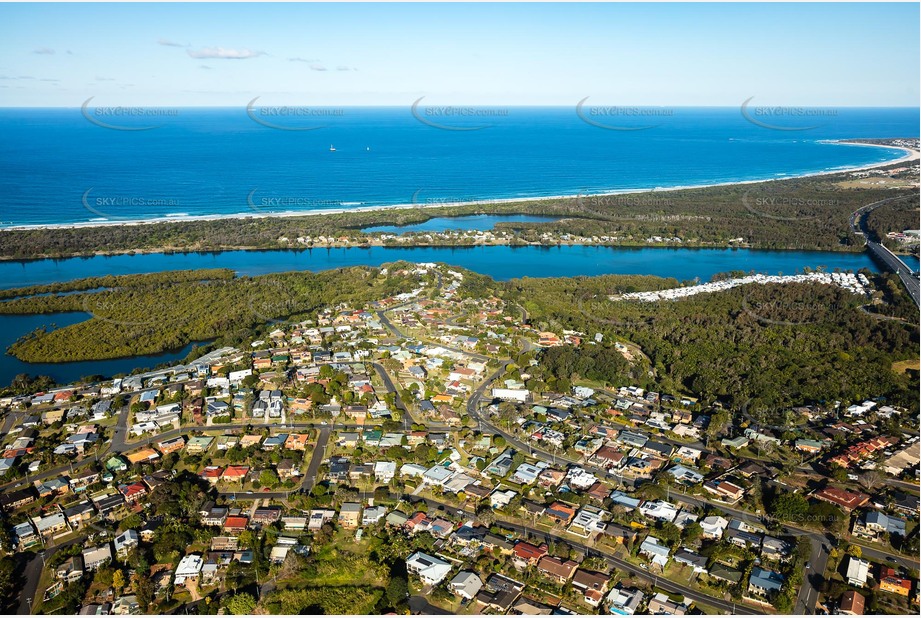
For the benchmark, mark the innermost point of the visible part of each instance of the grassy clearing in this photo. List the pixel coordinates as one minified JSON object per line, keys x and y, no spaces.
{"x":905,"y":365}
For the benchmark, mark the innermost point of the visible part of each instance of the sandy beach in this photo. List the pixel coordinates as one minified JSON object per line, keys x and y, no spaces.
{"x":910,"y":155}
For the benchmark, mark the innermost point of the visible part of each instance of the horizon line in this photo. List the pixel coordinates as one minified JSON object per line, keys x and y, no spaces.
{"x":479,"y":105}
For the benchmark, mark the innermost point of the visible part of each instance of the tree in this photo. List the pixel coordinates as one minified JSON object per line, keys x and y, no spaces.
{"x":130,"y":522}
{"x":397,"y":590}
{"x":246,"y":539}
{"x":241,"y":604}
{"x":268,"y":478}
{"x":669,"y":533}
{"x":10,"y":578}
{"x":718,"y":422}
{"x":485,"y":514}
{"x":691,"y":532}
{"x":869,"y":479}
{"x":789,"y":506}
{"x":118,"y":581}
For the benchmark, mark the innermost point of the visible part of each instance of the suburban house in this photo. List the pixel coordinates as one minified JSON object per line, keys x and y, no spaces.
{"x":624,"y":601}
{"x":95,"y":557}
{"x":465,"y":584}
{"x":350,"y":515}
{"x":189,"y":567}
{"x":890,"y":581}
{"x":527,"y":554}
{"x":761,"y":581}
{"x":557,"y":569}
{"x":592,"y":584}
{"x":857,"y":571}
{"x":852,"y":603}
{"x":847,"y":500}
{"x":653,"y":549}
{"x":429,"y":569}
{"x":875,"y":524}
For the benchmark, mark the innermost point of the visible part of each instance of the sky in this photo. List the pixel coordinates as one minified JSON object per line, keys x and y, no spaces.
{"x":177,"y":55}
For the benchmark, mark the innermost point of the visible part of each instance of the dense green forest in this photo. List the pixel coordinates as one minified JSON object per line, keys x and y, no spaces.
{"x":757,"y":345}
{"x":157,"y":313}
{"x":803,"y":213}
{"x":893,"y":217}
{"x":111,"y":282}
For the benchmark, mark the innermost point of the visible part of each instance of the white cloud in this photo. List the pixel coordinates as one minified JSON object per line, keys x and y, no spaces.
{"x":44,"y":51}
{"x":169,"y":43}
{"x":224,"y":54}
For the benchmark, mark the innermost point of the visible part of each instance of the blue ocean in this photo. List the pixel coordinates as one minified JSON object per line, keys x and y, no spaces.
{"x":73,"y":165}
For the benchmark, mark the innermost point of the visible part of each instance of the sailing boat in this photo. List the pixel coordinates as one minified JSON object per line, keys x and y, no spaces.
{"x":332,"y":148}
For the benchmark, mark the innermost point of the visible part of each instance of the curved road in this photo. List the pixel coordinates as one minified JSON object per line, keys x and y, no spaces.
{"x":858,"y":222}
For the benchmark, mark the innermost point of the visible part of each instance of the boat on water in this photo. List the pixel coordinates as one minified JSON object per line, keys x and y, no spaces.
{"x":332,"y":148}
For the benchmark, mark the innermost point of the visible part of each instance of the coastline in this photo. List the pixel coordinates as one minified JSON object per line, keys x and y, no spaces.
{"x":908,"y":156}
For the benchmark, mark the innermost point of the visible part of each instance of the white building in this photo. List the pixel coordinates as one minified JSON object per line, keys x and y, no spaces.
{"x":714,"y":526}
{"x":624,"y":601}
{"x":384,"y":471}
{"x":659,"y":509}
{"x":429,"y":569}
{"x":189,"y":566}
{"x":857,"y":572}
{"x":519,"y":395}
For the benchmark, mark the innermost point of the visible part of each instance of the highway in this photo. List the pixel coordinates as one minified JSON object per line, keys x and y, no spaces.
{"x":858,"y":222}
{"x":896,"y":265}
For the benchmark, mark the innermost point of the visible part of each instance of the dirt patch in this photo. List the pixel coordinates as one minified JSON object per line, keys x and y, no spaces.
{"x":905,"y":365}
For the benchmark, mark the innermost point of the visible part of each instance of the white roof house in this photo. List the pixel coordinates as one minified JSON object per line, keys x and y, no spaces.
{"x":688,"y":453}
{"x":189,"y":566}
{"x":714,"y":526}
{"x":373,"y":514}
{"x":125,"y":541}
{"x":588,"y":521}
{"x":384,"y":471}
{"x":654,"y":549}
{"x":437,"y":475}
{"x":465,"y":584}
{"x":94,"y":557}
{"x":501,"y":498}
{"x":526,"y":474}
{"x":659,"y":509}
{"x":411,"y":469}
{"x":685,"y":474}
{"x":857,"y":571}
{"x":624,"y":601}
{"x":429,"y":569}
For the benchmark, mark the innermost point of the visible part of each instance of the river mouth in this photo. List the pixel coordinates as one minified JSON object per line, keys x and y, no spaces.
{"x":501,"y":262}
